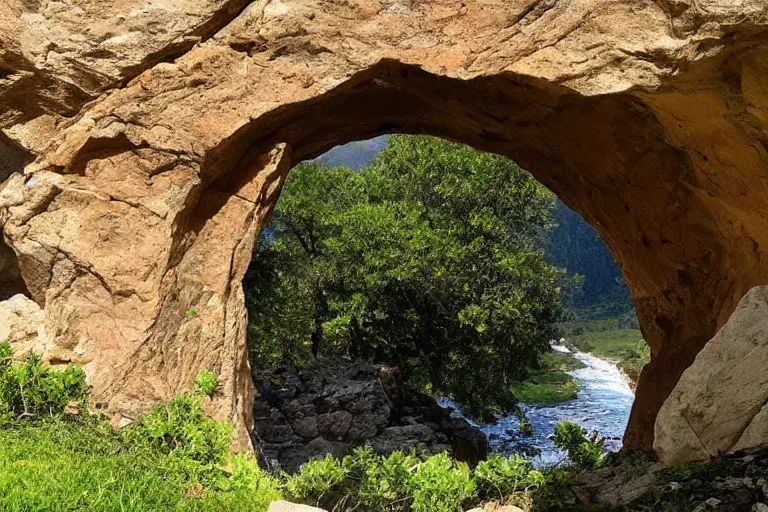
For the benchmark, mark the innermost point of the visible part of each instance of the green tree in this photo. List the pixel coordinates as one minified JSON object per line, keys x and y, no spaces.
{"x":430,"y":259}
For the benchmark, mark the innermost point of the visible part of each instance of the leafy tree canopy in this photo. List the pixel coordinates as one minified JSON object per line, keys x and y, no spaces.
{"x":430,"y":259}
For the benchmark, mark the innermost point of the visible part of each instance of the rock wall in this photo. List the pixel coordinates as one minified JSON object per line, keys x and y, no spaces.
{"x":151,"y":140}
{"x":335,"y":406}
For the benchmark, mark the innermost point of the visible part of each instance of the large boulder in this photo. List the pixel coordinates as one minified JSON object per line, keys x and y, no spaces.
{"x":154,"y":139}
{"x":720,"y":404}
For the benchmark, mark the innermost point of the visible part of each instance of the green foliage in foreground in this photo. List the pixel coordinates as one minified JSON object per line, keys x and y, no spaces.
{"x":177,"y":458}
{"x":57,"y":465}
{"x":431,"y":259}
{"x":368,"y":482}
{"x":173,"y":458}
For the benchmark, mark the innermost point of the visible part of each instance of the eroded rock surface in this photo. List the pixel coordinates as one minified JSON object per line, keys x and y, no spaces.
{"x":161,"y":133}
{"x":332,"y":407}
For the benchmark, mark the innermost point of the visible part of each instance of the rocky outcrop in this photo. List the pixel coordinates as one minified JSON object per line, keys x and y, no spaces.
{"x":332,"y":407}
{"x":496,"y":507}
{"x":159,"y":135}
{"x":720,"y":404}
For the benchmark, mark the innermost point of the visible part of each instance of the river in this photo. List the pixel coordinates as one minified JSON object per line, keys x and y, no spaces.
{"x":603,"y":404}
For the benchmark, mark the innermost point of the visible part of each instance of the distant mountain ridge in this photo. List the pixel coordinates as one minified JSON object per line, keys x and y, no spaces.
{"x":355,"y":154}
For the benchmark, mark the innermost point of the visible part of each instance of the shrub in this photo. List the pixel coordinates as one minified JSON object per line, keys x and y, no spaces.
{"x":316,"y":480}
{"x":556,"y":492}
{"x":245,"y":475}
{"x":585,"y":452}
{"x":6,"y":354}
{"x":60,"y":465}
{"x":441,"y":484}
{"x":525,"y":426}
{"x":368,"y":482}
{"x":499,"y":477}
{"x":206,"y":383}
{"x":384,"y":482}
{"x":173,"y":458}
{"x":181,"y":429}
{"x":29,"y":390}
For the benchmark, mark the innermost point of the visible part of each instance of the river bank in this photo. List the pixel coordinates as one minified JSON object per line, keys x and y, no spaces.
{"x":553,"y":383}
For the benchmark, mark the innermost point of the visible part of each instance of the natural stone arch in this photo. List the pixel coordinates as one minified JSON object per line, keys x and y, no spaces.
{"x":135,"y":224}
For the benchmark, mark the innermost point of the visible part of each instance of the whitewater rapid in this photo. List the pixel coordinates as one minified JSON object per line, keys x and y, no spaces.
{"x":603,"y":404}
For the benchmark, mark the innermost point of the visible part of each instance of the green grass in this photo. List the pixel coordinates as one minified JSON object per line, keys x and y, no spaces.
{"x":66,"y":466}
{"x":550,"y":384}
{"x":625,"y":346}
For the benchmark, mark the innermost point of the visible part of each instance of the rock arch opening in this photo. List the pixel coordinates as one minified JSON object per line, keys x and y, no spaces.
{"x":312,"y":400}
{"x":603,"y":156}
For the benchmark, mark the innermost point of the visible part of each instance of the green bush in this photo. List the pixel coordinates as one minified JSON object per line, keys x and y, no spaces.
{"x":555,"y":493}
{"x":368,"y":482}
{"x":245,"y":475}
{"x":318,"y":481}
{"x":206,"y":383}
{"x":63,"y":466}
{"x":177,"y":458}
{"x":173,"y":458}
{"x":384,"y":481}
{"x":182,"y":430}
{"x":441,"y":484}
{"x":499,"y":477}
{"x":585,"y":452}
{"x":29,"y":390}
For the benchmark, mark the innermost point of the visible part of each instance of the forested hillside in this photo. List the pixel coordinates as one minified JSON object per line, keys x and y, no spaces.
{"x":576,"y":246}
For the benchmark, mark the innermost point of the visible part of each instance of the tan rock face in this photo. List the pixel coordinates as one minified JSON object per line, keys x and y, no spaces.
{"x":496,"y":507}
{"x":161,"y":133}
{"x":719,"y":404}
